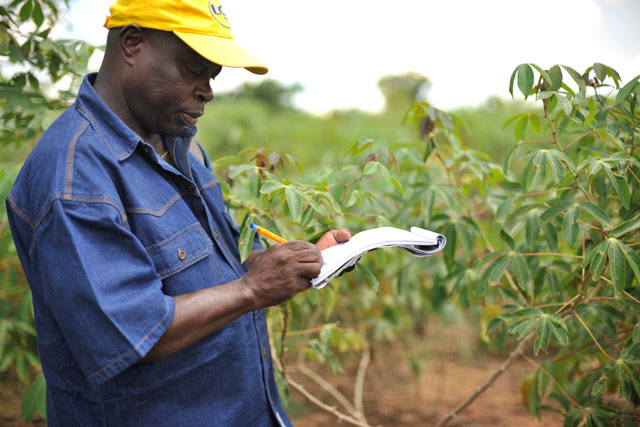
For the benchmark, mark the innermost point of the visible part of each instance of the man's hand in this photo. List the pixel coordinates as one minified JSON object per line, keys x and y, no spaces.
{"x":281,"y":272}
{"x":333,"y":237}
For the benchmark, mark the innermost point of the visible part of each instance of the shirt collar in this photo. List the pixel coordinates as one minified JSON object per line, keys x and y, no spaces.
{"x":116,"y":134}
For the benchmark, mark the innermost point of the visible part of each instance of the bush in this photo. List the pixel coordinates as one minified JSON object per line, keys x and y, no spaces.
{"x":547,"y":250}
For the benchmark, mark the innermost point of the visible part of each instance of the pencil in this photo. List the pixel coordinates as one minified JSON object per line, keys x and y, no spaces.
{"x":267,"y":233}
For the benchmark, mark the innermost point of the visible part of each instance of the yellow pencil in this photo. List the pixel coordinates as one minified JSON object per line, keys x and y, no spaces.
{"x":267,"y":233}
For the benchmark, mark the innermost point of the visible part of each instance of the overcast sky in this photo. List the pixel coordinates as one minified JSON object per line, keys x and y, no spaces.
{"x":338,"y":50}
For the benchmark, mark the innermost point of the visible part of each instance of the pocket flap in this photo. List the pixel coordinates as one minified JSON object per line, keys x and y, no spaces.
{"x":180,"y":250}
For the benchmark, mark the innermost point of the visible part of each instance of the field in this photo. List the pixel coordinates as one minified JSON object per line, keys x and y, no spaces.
{"x":454,"y":366}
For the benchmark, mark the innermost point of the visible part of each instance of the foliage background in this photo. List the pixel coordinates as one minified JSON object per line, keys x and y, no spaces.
{"x":538,"y":201}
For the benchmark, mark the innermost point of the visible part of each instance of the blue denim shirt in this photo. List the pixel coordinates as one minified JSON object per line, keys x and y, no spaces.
{"x":108,"y":233}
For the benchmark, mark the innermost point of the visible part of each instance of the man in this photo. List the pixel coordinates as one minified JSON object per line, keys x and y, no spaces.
{"x":144,"y":313}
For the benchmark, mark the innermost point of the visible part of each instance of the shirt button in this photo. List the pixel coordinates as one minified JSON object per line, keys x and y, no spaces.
{"x":264,"y":353}
{"x":192,"y":187}
{"x":181,"y":254}
{"x":215,"y":233}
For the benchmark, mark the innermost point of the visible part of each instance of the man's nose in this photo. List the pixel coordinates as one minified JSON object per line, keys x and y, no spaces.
{"x":203,"y":92}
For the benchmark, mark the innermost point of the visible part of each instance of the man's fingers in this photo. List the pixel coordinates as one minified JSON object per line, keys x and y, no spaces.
{"x":342,"y":235}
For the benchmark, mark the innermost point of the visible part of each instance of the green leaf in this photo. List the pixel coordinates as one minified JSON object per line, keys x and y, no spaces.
{"x":271,"y":186}
{"x":632,"y":258}
{"x":532,"y":230}
{"x":448,"y":254}
{"x":493,"y":273}
{"x":556,"y":76}
{"x":555,"y":210}
{"x":535,"y":171}
{"x":617,"y":265}
{"x":626,"y":89}
{"x":508,"y":240}
{"x":520,"y":129}
{"x":521,"y":329}
{"x":600,"y":70}
{"x":235,"y":171}
{"x":245,"y":241}
{"x":570,"y":227}
{"x":551,"y":236}
{"x":521,"y":270}
{"x":370,"y":277}
{"x":38,"y":16}
{"x":559,"y":328}
{"x":620,"y":185}
{"x":370,"y":168}
{"x":599,"y":259}
{"x":329,"y":295}
{"x":577,"y":78}
{"x":35,"y":399}
{"x":597,"y":213}
{"x":543,"y":335}
{"x":504,"y":208}
{"x":25,"y":10}
{"x":294,"y":201}
{"x":557,"y":167}
{"x":525,"y":79}
{"x":565,"y":104}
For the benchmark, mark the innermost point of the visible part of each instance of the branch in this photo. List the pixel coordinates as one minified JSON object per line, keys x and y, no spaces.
{"x":505,"y":365}
{"x":362,"y":370}
{"x":593,"y":338}
{"x":562,"y":390}
{"x":322,"y":405}
{"x":328,"y":387}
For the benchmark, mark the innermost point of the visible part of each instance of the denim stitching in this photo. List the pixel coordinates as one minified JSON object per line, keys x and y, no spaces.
{"x":221,"y":277}
{"x":160,"y":212}
{"x":188,"y":262}
{"x":165,"y":207}
{"x":98,"y":130}
{"x":70,"y":156}
{"x":18,"y":211}
{"x":164,"y":243}
{"x":210,"y":184}
{"x":135,"y":348}
{"x":96,"y":127}
{"x":73,"y":198}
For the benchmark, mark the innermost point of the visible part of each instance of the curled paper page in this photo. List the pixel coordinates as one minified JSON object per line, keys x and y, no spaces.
{"x":418,"y":241}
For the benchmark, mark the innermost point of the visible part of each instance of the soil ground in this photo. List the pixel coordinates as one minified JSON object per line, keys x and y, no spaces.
{"x":453,"y":366}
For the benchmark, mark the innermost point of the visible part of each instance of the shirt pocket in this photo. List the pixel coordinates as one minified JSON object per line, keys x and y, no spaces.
{"x":180,"y":250}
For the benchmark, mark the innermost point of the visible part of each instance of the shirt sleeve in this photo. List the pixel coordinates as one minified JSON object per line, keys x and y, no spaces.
{"x":101,"y":287}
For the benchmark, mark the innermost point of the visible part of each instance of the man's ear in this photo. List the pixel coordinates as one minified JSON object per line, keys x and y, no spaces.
{"x":131,"y":38}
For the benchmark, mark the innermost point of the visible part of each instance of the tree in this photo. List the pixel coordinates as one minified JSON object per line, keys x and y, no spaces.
{"x":400,"y":91}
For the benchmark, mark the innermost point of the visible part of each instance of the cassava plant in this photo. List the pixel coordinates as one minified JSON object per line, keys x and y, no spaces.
{"x":544,"y":246}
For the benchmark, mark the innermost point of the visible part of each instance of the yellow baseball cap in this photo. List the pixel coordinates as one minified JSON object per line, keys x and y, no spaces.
{"x":201,"y":24}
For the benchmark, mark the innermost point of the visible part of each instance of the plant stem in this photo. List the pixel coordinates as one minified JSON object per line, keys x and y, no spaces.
{"x":578,"y":350}
{"x":578,"y":139}
{"x":283,"y":336}
{"x":552,"y":254}
{"x":505,"y":365}
{"x":359,"y":386}
{"x":328,"y":387}
{"x":549,"y":191}
{"x":593,"y":338}
{"x":580,"y":294}
{"x":324,"y":406}
{"x":630,"y":296}
{"x":558,"y":386}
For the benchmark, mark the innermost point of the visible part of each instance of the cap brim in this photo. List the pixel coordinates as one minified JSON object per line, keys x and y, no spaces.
{"x":222,"y":51}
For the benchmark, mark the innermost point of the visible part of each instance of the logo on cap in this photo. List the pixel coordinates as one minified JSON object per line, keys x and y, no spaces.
{"x":215,"y":9}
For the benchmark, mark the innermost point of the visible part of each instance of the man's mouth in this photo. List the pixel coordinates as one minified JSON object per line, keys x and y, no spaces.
{"x":190,"y":118}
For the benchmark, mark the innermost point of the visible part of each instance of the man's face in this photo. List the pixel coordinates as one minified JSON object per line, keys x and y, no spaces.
{"x":168,"y":86}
